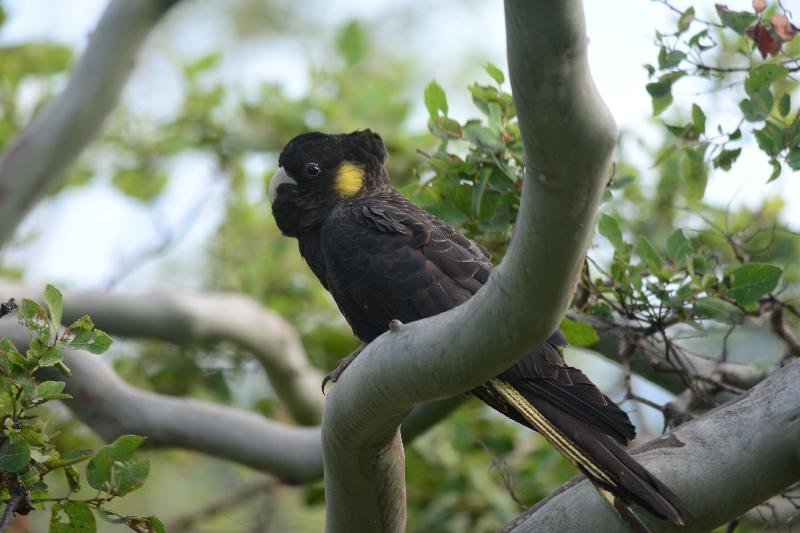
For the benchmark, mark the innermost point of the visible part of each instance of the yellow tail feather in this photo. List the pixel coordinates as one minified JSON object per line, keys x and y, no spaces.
{"x":553,"y":435}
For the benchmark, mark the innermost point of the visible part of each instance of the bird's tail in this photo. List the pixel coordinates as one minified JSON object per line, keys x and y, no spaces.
{"x":619,"y":479}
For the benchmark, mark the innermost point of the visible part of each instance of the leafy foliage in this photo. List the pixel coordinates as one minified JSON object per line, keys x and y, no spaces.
{"x":479,"y":191}
{"x":714,"y":279}
{"x":765,"y":104}
{"x":29,"y":457}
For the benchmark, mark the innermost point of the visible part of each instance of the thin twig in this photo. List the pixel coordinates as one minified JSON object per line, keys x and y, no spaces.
{"x":19,"y":501}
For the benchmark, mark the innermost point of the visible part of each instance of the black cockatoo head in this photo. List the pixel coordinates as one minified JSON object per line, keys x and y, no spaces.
{"x":319,"y":170}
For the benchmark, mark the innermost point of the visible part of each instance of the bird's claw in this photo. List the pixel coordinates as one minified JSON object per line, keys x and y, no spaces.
{"x":336,"y":373}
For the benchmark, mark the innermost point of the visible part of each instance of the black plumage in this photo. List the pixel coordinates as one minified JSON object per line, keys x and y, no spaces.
{"x":383,"y":258}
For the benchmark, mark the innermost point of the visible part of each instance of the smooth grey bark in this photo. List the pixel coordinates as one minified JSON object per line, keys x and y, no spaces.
{"x":41,"y":153}
{"x":720,"y":465}
{"x":197,"y":318}
{"x":111,"y":407}
{"x":568,"y":136}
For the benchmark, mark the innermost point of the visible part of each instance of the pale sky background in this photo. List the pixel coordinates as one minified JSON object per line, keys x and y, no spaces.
{"x":621,"y":37}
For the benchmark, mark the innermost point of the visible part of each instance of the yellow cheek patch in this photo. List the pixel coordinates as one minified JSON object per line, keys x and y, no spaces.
{"x":349,"y":179}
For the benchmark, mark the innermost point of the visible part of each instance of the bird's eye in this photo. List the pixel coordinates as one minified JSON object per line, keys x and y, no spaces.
{"x":312,"y":169}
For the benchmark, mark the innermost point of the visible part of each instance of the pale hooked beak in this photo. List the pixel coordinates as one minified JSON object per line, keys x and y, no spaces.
{"x":279,"y":178}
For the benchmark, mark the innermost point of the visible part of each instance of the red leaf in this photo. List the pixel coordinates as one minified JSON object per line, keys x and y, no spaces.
{"x":766,"y":42}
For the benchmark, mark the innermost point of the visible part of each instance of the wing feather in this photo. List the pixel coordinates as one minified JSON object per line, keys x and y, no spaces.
{"x":387,"y":259}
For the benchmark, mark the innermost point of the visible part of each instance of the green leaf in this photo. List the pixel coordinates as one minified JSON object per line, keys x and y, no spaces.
{"x":698,"y":118}
{"x":33,"y":436}
{"x":352,"y":42}
{"x":678,"y":246}
{"x":81,"y":335}
{"x":128,"y":476}
{"x":202,"y":64}
{"x":51,"y":355}
{"x":661,"y":91}
{"x":495,"y":117}
{"x":9,"y":356}
{"x":726,"y":158}
{"x":776,"y":169}
{"x":762,"y":99}
{"x":609,"y":228}
{"x":694,"y":171}
{"x":156,"y":525}
{"x":35,"y":318}
{"x":112,"y":468}
{"x":648,"y":254}
{"x":79,"y":518}
{"x":738,"y":21}
{"x":53,"y":299}
{"x":111,"y":518}
{"x":145,"y":524}
{"x":15,"y":454}
{"x":496,"y":74}
{"x":578,"y":333}
{"x":752,"y":281}
{"x":764,"y":75}
{"x":784,"y":104}
{"x":752,"y":112}
{"x":669,"y":59}
{"x":483,"y":137}
{"x":602,"y":310}
{"x":435,"y":99}
{"x":660,"y":103}
{"x":793,"y":132}
{"x":659,"y":88}
{"x":444,"y":128}
{"x":51,"y":390}
{"x":30,"y":478}
{"x":621,"y":182}
{"x":770,"y":139}
{"x":793,"y":158}
{"x":38,"y":457}
{"x":685,"y":20}
{"x":73,"y":478}
{"x":718,"y":310}
{"x":70,"y":458}
{"x":101,"y":341}
{"x":142,"y":184}
{"x":84,"y":323}
{"x":696,"y":41}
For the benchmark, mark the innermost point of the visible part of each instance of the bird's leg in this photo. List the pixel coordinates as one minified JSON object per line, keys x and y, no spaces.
{"x":340,"y":367}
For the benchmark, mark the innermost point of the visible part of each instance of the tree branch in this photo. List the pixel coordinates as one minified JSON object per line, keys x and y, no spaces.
{"x":18,"y":502}
{"x":195,"y":318}
{"x":41,"y":153}
{"x":112,"y":408}
{"x":716,"y":468}
{"x":568,"y":137}
{"x":649,"y":360}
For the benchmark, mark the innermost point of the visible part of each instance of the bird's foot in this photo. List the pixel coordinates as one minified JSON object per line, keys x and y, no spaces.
{"x":336,"y":373}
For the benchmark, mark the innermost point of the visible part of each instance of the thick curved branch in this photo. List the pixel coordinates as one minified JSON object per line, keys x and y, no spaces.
{"x":716,"y":468}
{"x":41,"y":153}
{"x":195,"y":318}
{"x":112,"y":408}
{"x":568,"y":137}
